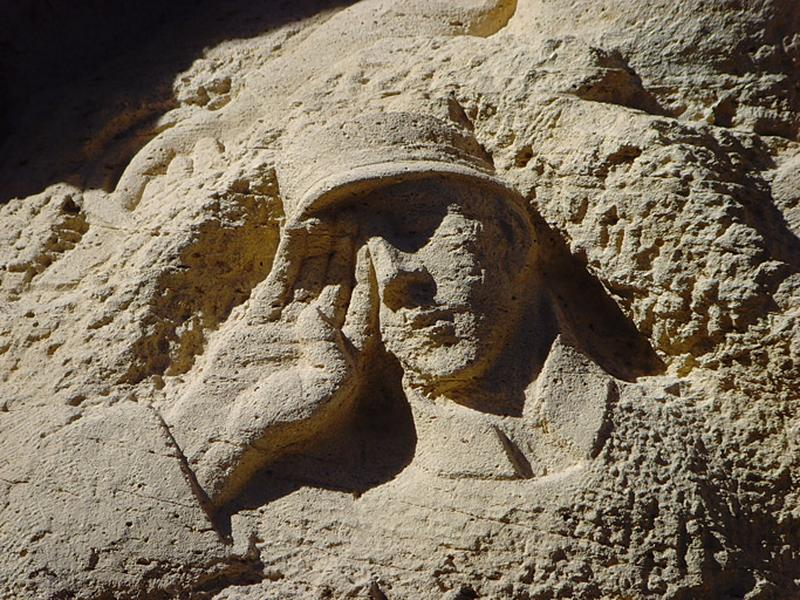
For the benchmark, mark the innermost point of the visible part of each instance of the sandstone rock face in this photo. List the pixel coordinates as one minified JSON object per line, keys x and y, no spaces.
{"x":424,"y":299}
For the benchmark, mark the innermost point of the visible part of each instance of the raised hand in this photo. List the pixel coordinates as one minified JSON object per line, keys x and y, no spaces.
{"x":305,"y":337}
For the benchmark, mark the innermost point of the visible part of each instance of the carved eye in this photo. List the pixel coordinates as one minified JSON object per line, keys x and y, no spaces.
{"x":410,"y":226}
{"x":409,"y":289}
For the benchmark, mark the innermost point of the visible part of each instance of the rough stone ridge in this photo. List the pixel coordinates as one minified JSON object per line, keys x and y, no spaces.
{"x":422,"y":299}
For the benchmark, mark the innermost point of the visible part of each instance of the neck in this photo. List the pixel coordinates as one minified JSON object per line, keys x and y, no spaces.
{"x":454,"y":442}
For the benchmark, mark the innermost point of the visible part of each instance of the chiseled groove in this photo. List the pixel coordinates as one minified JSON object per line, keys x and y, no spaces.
{"x":515,"y":456}
{"x":202,"y":498}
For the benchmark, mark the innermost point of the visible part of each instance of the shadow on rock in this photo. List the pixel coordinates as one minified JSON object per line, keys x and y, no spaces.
{"x":81,"y":81}
{"x":374,"y":446}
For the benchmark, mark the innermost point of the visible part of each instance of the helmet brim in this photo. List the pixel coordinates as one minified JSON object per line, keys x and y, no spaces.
{"x":341,"y":187}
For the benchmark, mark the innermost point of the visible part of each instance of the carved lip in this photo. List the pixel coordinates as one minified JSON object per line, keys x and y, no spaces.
{"x":442,"y":333}
{"x":438,"y":325}
{"x":429,"y":318}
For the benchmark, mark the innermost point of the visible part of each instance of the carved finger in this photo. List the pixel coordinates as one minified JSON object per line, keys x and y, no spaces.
{"x":311,"y":280}
{"x":310,"y":240}
{"x":359,"y":322}
{"x":326,"y":278}
{"x":340,"y":273}
{"x":273,"y":295}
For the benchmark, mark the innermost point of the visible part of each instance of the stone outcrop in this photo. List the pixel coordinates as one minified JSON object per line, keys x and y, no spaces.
{"x":423,"y":299}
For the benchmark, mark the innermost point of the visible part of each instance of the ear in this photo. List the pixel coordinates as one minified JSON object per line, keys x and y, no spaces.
{"x":520,"y":237}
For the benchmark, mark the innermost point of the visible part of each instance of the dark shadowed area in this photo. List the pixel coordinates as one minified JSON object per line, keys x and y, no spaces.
{"x":73,"y":71}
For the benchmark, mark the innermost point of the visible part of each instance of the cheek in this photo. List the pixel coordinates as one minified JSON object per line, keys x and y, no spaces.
{"x":458,"y":285}
{"x":456,"y":267}
{"x":475,"y":275}
{"x":397,"y":335}
{"x":390,"y":321}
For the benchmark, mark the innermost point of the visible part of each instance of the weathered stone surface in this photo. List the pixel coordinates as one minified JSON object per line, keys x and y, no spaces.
{"x":475,"y":299}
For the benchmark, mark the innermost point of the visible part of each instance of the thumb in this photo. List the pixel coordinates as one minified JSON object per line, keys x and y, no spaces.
{"x":322,"y":344}
{"x":313,"y":323}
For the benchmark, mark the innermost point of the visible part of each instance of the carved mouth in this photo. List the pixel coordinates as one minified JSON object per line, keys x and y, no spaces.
{"x":437,"y":325}
{"x":430,"y":318}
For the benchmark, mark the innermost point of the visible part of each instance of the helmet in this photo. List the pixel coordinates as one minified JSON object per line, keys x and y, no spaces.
{"x":324,"y":165}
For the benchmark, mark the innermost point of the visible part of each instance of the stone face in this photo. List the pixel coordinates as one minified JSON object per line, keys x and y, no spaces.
{"x":476,"y":299}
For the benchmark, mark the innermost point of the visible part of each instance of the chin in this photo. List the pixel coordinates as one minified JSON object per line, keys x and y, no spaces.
{"x":443,"y":368}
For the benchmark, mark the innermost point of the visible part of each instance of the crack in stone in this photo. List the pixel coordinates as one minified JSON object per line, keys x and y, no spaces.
{"x":522,"y":467}
{"x":202,"y":498}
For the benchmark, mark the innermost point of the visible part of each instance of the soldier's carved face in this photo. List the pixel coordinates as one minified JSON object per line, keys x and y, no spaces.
{"x":449,"y":256}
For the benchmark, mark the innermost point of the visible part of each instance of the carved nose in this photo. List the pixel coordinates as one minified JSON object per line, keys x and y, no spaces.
{"x":403,"y":281}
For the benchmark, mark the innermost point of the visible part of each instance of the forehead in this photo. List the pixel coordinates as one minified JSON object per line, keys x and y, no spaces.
{"x":412,"y":213}
{"x":429,"y":197}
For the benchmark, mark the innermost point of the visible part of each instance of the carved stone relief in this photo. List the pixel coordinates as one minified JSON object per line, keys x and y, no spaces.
{"x":424,"y":299}
{"x":401,"y":244}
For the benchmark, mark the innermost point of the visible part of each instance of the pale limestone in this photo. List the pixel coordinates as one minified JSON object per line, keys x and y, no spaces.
{"x":476,"y":299}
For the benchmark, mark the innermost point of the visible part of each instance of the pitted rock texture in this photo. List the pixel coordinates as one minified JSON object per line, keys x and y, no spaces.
{"x":427,"y":299}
